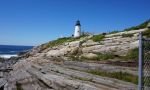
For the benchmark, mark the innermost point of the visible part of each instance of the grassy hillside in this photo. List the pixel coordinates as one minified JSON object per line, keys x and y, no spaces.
{"x":141,"y":26}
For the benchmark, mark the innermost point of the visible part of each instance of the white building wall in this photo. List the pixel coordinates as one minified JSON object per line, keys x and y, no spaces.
{"x":77,"y":32}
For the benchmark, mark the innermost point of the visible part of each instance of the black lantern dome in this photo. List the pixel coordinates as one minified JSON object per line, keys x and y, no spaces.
{"x":78,"y":23}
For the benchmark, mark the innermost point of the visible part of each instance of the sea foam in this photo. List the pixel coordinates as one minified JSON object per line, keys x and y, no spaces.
{"x":7,"y":56}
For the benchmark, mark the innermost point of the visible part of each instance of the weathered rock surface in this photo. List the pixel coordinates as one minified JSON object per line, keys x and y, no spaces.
{"x":49,"y":68}
{"x":40,"y":74}
{"x":113,"y":43}
{"x":61,"y":83}
{"x":98,"y":67}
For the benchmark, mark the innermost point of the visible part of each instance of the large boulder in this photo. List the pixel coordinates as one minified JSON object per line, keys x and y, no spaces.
{"x":89,"y":55}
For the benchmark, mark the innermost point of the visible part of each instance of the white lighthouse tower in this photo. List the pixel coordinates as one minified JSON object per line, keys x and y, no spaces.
{"x":77,"y":32}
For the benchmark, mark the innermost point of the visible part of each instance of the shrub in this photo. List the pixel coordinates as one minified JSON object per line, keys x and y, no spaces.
{"x":86,"y":58}
{"x":98,"y":38}
{"x":104,"y":33}
{"x":118,"y":75}
{"x":19,"y":86}
{"x":112,"y":32}
{"x":85,"y":33}
{"x":127,"y":35}
{"x":132,"y":54}
{"x":105,"y":56}
{"x":141,"y":26}
{"x":57,"y":42}
{"x":146,"y":33}
{"x":60,"y":41}
{"x":81,"y":42}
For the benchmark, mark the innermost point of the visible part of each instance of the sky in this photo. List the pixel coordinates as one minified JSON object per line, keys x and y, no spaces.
{"x":33,"y":22}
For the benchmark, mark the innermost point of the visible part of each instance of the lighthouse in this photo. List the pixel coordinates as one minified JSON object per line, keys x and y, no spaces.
{"x":77,"y":31}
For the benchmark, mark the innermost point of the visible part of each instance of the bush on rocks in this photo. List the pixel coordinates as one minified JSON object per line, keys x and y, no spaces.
{"x":127,"y":35}
{"x":146,"y":33}
{"x":98,"y":38}
{"x":132,"y":54}
{"x":118,"y":75}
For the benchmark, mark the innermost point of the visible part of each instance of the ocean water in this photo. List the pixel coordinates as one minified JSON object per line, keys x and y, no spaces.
{"x":7,"y":51}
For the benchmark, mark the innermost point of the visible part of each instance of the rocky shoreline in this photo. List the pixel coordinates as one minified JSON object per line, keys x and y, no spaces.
{"x":75,"y":64}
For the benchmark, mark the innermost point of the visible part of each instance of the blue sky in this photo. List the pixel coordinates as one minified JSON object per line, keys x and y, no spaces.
{"x":33,"y":22}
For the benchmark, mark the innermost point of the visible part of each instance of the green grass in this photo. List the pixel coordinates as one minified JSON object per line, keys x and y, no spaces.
{"x":146,"y":33}
{"x":98,"y":38}
{"x":113,"y":32}
{"x":124,"y":76}
{"x":132,"y":54}
{"x":19,"y":86}
{"x":127,"y":35}
{"x":105,"y":56}
{"x":60,"y":41}
{"x":141,"y":26}
{"x":99,"y":57}
{"x":117,"y":75}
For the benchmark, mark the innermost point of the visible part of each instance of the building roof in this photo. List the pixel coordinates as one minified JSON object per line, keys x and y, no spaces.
{"x":78,"y":23}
